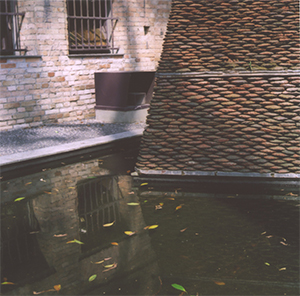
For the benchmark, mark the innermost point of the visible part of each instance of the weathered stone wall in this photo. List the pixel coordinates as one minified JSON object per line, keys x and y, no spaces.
{"x":227,"y":97}
{"x":50,"y":86}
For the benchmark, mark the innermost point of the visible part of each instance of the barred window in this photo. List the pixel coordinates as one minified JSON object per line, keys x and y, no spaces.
{"x":10,"y":24}
{"x":91,"y":25}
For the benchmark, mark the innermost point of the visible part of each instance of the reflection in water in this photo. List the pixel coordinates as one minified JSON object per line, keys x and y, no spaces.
{"x":62,"y":234}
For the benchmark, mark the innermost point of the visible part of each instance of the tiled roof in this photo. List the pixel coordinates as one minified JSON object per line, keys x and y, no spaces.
{"x":231,"y":35}
{"x":226,"y":97}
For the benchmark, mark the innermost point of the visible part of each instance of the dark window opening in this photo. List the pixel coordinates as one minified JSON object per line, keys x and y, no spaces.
{"x":11,"y":21}
{"x":91,"y":25}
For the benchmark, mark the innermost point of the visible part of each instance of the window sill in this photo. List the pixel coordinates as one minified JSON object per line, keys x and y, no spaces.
{"x":20,"y":56}
{"x":96,"y":55}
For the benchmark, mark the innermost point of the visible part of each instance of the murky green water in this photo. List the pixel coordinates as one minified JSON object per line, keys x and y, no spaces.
{"x":85,"y":229}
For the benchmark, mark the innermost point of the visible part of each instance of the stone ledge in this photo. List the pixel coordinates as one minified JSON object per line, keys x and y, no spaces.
{"x":216,"y":174}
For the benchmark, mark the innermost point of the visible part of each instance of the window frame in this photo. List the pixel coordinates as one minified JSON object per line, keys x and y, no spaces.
{"x":11,"y":22}
{"x":91,"y":26}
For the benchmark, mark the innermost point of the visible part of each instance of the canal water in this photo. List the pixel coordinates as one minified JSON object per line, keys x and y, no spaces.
{"x":87,"y":227}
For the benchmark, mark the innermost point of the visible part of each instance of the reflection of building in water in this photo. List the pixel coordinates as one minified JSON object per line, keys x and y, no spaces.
{"x":98,"y":204}
{"x":67,"y":203}
{"x":21,"y":257}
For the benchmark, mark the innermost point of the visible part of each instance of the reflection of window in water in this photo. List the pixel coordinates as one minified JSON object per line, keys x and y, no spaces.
{"x":98,"y":204}
{"x":21,"y":257}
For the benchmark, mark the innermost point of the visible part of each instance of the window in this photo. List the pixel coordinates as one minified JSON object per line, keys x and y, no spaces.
{"x":10,"y":24}
{"x":91,"y":25}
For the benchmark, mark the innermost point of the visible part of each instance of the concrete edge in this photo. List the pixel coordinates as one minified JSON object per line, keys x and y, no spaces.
{"x":215,"y":174}
{"x":64,"y":148}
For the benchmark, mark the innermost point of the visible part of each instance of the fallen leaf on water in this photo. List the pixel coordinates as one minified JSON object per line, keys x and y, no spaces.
{"x":71,"y":187}
{"x":75,"y":241}
{"x":285,"y":244}
{"x":99,"y":262}
{"x":109,"y":224}
{"x":92,"y":277}
{"x":109,"y":265}
{"x":158,"y":207}
{"x":291,"y":194}
{"x":110,"y":268}
{"x":178,"y":207}
{"x":57,"y":287}
{"x":266,"y":263}
{"x":60,"y":235}
{"x":179,"y":287}
{"x":151,"y":227}
{"x":133,"y":203}
{"x":36,"y":293}
{"x":7,"y":283}
{"x":171,"y":198}
{"x":143,"y":184}
{"x":19,"y":198}
{"x":129,"y":233}
{"x":263,"y":233}
{"x":219,"y":283}
{"x":47,"y":192}
{"x":114,"y":244}
{"x":282,"y":268}
{"x":184,"y":229}
{"x":28,"y":183}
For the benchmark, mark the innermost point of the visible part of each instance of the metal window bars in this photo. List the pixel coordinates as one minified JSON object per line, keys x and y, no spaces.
{"x":91,"y":26}
{"x":11,"y":21}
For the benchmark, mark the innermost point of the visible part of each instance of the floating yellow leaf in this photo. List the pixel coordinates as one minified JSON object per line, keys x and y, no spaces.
{"x":110,"y":268}
{"x":143,"y":184}
{"x":48,"y":192}
{"x":178,"y":207}
{"x":171,"y":198}
{"x":114,"y":244}
{"x":19,"y":198}
{"x":57,"y":287}
{"x":92,"y":277}
{"x":75,"y":241}
{"x":219,"y":283}
{"x":109,"y":265}
{"x":109,"y":224}
{"x":99,"y":262}
{"x":133,"y":203}
{"x":184,"y":229}
{"x":28,"y":183}
{"x":71,"y":187}
{"x":268,"y":264}
{"x":129,"y":233}
{"x":152,"y":226}
{"x":7,"y":283}
{"x":283,"y":268}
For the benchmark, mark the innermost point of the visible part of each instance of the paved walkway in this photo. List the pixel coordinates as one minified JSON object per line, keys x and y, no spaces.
{"x":24,"y":144}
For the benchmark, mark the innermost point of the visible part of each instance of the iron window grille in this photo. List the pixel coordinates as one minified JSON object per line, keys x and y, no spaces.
{"x":91,"y":26}
{"x":11,"y":21}
{"x":98,"y":204}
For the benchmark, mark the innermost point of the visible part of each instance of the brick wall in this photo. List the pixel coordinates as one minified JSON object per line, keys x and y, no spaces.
{"x":49,"y":86}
